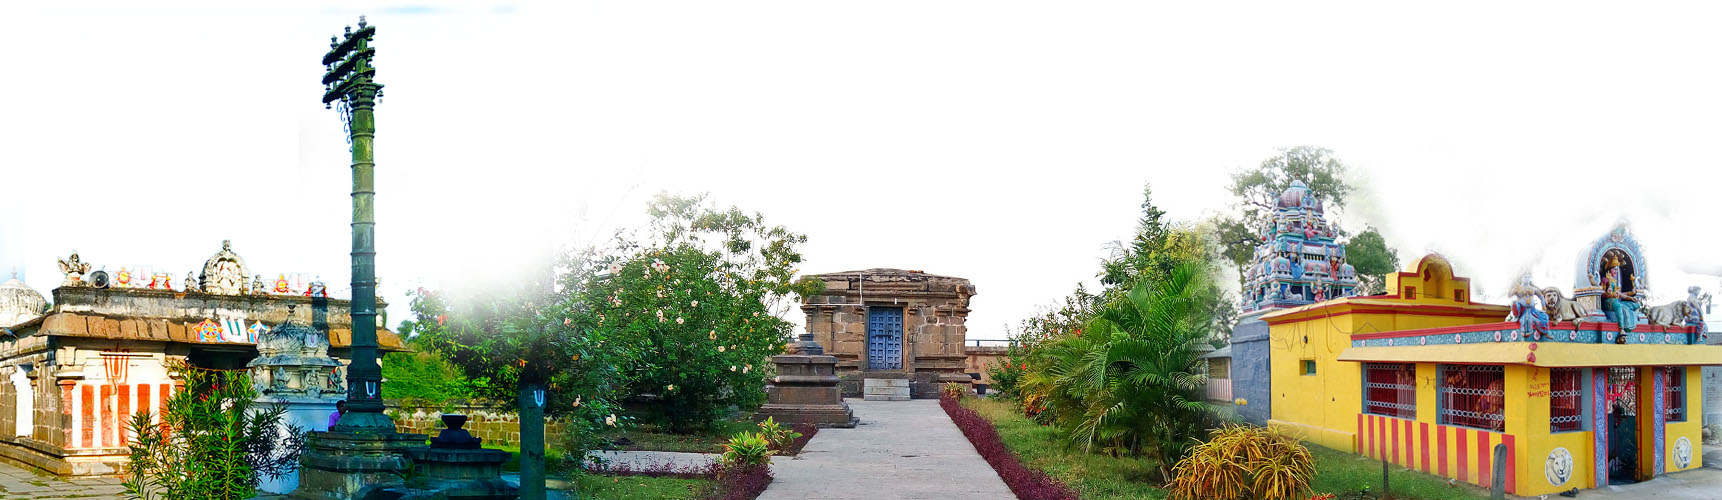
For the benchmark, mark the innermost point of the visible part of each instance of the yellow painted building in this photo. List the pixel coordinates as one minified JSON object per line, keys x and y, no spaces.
{"x":1426,"y":378}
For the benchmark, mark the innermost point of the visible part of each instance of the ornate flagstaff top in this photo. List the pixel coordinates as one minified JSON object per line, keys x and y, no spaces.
{"x":1297,"y":261}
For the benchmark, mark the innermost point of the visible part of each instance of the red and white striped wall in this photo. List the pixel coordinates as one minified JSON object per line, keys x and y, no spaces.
{"x":1456,"y":452}
{"x":101,"y":411}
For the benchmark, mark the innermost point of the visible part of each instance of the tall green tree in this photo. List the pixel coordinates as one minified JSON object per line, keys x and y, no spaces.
{"x":1369,"y":254}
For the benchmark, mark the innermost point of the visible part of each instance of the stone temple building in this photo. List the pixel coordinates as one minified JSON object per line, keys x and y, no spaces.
{"x":896,"y":334}
{"x":76,"y":372}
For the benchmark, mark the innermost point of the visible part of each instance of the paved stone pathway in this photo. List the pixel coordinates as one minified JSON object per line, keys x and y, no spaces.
{"x":901,"y":450}
{"x":23,"y":483}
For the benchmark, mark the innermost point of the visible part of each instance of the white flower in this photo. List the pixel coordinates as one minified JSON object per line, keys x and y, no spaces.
{"x":610,"y":420}
{"x":616,"y":268}
{"x":660,"y":294}
{"x":679,"y":321}
{"x":756,"y":314}
{"x":732,"y":368}
{"x":744,"y":369}
{"x":576,"y":401}
{"x":695,"y":303}
{"x":670,"y":387}
{"x":720,"y":348}
{"x":713,"y":335}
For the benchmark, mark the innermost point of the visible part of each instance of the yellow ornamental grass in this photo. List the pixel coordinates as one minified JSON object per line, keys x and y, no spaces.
{"x":1244,"y":462}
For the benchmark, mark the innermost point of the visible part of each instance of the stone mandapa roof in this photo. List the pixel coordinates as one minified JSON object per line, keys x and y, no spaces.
{"x":168,"y":316}
{"x":888,"y":274}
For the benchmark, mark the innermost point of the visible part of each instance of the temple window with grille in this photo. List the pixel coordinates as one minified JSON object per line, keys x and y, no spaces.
{"x":1674,"y":394}
{"x":1472,"y":396}
{"x":1566,"y":400}
{"x":1390,"y":389}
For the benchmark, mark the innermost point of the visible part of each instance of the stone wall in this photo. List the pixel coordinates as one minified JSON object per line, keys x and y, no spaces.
{"x":493,"y":425}
{"x":981,"y":359}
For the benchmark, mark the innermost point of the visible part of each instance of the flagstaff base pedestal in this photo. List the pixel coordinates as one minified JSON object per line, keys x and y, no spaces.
{"x":346,"y":466}
{"x":805,"y":392}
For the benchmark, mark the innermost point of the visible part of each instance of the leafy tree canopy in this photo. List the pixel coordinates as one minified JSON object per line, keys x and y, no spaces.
{"x":1369,"y":254}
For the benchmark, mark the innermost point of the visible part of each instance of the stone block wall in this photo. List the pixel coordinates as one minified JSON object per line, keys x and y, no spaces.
{"x":493,"y":425}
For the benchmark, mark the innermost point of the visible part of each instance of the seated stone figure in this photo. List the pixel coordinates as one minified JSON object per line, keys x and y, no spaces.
{"x":1527,"y":309}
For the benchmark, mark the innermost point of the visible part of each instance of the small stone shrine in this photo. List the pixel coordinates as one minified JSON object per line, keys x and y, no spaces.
{"x":805,"y":389}
{"x":900,"y":332}
{"x":293,"y":368}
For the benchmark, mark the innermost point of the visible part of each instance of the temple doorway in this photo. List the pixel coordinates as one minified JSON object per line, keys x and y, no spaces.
{"x":1622,"y":425}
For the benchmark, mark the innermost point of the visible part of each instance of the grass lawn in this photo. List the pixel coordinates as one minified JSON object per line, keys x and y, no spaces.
{"x":641,"y":488}
{"x":1039,"y":447}
{"x":1338,"y":471}
{"x":513,"y":463}
{"x":650,"y":438}
{"x":1099,"y":477}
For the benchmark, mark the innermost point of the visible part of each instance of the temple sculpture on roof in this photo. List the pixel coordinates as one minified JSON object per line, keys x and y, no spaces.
{"x":78,"y":370}
{"x":1297,"y":262}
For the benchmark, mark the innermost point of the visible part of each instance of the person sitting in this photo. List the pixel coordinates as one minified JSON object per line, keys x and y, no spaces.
{"x":340,"y":409}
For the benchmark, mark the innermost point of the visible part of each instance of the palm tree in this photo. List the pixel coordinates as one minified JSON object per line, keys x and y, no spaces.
{"x":1133,"y":384}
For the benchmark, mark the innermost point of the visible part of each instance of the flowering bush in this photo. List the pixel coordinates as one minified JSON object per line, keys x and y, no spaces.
{"x":700,"y":299}
{"x":1025,"y":482}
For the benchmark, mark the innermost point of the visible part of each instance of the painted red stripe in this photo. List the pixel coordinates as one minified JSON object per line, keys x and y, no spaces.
{"x":1423,"y":445}
{"x":1459,"y":443}
{"x":88,"y":433}
{"x":1484,"y":471}
{"x":108,"y":415}
{"x":143,"y":398}
{"x":1441,"y":450}
{"x":1512,"y":464}
{"x":1357,"y":439}
{"x":125,"y":414}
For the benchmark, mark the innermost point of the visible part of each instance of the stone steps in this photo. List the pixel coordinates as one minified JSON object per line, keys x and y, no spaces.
{"x":880,"y":389}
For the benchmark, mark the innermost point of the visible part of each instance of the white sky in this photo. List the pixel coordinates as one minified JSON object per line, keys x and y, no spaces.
{"x":1004,"y":142}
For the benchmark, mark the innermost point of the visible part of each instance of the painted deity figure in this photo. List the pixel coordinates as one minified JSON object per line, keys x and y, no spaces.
{"x":74,"y":269}
{"x":1618,"y":304}
{"x":1528,"y":311}
{"x":191,"y":281}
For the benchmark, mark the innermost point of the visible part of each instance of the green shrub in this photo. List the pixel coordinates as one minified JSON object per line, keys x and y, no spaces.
{"x":746,"y":449}
{"x":777,"y":435}
{"x":213,"y":442}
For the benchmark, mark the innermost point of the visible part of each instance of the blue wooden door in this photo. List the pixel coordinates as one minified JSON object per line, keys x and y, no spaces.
{"x":885,"y":338}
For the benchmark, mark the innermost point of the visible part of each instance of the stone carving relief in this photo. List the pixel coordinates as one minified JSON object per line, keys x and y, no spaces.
{"x":224,"y":273}
{"x":293,"y":360}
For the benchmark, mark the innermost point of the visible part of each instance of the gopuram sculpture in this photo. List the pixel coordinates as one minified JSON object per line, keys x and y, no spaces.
{"x":74,"y":270}
{"x":1298,"y":262}
{"x":1560,"y":308}
{"x":191,"y":281}
{"x":1620,"y":302}
{"x":224,"y":273}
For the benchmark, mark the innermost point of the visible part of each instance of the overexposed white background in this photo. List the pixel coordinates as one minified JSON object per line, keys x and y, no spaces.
{"x":1004,"y":142}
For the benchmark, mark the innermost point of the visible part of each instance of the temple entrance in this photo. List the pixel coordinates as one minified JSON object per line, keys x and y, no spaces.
{"x":884,"y":338}
{"x":1622,"y":425}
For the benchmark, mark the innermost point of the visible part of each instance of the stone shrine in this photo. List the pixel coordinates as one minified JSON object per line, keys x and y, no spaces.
{"x":900,"y":331}
{"x":80,"y":370}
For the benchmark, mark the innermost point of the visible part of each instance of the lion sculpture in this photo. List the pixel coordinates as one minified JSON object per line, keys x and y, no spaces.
{"x":1561,"y":308}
